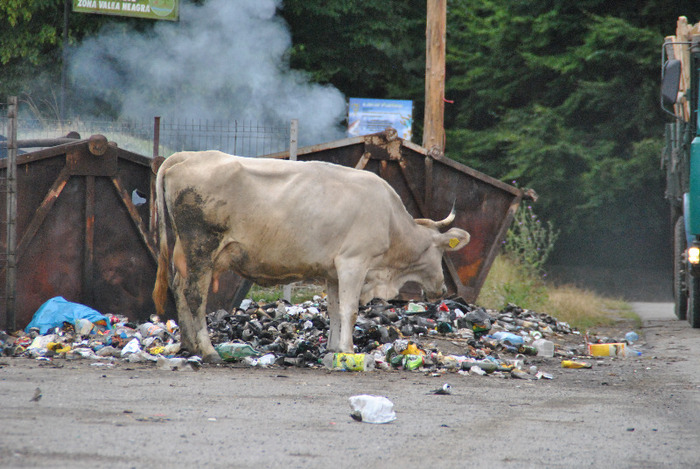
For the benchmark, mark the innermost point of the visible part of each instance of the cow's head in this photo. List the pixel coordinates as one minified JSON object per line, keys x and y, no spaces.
{"x":419,"y":260}
{"x":428,"y":268}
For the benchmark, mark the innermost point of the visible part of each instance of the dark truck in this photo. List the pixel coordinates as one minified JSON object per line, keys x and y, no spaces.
{"x":680,"y":96}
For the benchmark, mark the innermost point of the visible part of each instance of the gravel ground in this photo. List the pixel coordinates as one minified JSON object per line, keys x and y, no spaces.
{"x":636,"y":412}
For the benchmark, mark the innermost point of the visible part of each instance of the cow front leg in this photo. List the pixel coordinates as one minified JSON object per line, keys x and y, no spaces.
{"x":351,"y":276}
{"x":333,"y":316}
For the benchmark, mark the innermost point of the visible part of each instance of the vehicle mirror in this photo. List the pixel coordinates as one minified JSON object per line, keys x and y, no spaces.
{"x":670,"y":81}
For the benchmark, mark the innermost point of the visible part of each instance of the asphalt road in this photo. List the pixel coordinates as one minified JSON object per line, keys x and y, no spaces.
{"x":638,"y":412}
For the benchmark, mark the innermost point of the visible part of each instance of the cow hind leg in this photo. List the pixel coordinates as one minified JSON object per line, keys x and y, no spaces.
{"x":191,"y":306}
{"x":184,"y":315}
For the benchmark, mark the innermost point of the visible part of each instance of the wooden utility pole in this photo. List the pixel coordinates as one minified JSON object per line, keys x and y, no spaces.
{"x":11,"y":201}
{"x":433,"y":129}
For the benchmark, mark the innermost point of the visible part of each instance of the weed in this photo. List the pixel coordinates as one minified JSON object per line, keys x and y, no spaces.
{"x":529,"y":241}
{"x":301,"y":292}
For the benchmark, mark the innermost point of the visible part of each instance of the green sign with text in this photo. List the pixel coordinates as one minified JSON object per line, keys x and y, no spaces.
{"x":151,"y":9}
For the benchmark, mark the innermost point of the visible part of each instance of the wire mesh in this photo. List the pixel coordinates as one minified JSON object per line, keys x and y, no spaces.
{"x":243,"y":138}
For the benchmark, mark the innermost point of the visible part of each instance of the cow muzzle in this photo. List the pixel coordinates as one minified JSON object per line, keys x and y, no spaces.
{"x":432,"y":297}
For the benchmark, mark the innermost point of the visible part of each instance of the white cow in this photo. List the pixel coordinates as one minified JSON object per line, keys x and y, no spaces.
{"x":276,"y":221}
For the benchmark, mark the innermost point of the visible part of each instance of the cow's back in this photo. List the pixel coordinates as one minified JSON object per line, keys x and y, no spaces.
{"x":284,"y":217}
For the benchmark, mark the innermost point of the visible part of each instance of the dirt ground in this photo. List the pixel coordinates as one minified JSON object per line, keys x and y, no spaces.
{"x":638,"y":412}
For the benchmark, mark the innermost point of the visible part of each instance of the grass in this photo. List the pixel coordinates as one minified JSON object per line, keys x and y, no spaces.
{"x":301,"y":292}
{"x":507,"y":283}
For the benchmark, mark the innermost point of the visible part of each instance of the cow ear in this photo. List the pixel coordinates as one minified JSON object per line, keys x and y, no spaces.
{"x":453,"y":239}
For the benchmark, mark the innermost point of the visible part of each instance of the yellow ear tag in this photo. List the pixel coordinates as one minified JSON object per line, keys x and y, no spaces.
{"x":453,"y":242}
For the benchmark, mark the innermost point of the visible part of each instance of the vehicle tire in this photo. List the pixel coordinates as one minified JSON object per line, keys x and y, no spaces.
{"x":680,"y":293}
{"x":694,"y":301}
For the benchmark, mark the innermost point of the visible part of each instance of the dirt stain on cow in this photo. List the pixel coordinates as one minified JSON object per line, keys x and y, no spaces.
{"x":200,"y":236}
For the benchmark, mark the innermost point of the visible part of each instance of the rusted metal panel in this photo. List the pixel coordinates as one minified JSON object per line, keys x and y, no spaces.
{"x":429,"y":184}
{"x":80,"y":235}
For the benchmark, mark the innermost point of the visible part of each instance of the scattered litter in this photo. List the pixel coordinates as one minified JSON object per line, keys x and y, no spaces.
{"x":178,"y":364}
{"x":133,"y":346}
{"x":575,"y":364}
{"x":607,"y":350}
{"x":445,"y":389}
{"x":432,"y":338}
{"x":230,"y":351}
{"x":58,"y":310}
{"x":372,"y":409}
{"x":349,"y":361}
{"x":631,"y":337}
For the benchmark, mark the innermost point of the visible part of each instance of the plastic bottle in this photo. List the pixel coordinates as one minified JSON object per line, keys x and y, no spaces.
{"x":412,"y":362}
{"x":528,"y":350}
{"x":485,"y":365}
{"x":231,"y":351}
{"x":372,"y":409}
{"x":508,"y":338}
{"x":349,"y":361}
{"x":545,"y":348}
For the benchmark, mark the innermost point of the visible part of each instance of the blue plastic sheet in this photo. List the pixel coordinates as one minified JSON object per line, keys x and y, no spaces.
{"x":58,"y":310}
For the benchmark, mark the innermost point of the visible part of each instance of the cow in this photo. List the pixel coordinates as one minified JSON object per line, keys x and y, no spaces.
{"x":277,"y":221}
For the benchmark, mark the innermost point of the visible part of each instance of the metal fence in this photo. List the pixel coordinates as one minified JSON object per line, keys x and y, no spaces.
{"x":243,"y":138}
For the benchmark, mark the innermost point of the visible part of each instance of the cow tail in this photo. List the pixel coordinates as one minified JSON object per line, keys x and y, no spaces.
{"x":160,"y":290}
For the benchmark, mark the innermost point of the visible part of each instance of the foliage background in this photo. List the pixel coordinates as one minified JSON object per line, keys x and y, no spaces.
{"x":555,"y":95}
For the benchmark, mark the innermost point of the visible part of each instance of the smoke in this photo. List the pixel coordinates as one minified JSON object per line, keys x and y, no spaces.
{"x":224,"y":60}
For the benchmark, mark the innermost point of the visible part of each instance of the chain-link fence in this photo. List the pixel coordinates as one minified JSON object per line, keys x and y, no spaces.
{"x":243,"y":138}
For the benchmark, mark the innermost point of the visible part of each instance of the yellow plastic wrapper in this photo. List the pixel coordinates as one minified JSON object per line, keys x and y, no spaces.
{"x":413,"y":349}
{"x":574,"y":364}
{"x":58,"y":347}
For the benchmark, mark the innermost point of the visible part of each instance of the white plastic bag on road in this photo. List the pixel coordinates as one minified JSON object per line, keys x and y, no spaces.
{"x":372,"y":409}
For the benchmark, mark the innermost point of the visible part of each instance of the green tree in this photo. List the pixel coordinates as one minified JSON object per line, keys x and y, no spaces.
{"x":365,"y":48}
{"x":563,"y":97}
{"x":32,"y":45}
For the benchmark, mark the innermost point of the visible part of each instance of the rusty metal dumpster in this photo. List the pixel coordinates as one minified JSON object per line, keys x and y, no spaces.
{"x":85,"y":229}
{"x":82,"y":232}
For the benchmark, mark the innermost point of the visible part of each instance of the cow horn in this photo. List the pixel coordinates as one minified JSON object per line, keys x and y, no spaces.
{"x":447,"y":220}
{"x":438,"y":224}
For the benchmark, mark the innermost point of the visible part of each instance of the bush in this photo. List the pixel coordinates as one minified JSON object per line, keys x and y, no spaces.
{"x":529,"y":242}
{"x":517,"y":276}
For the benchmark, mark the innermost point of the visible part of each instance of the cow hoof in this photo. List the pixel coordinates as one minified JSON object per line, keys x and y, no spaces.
{"x":212,"y":358}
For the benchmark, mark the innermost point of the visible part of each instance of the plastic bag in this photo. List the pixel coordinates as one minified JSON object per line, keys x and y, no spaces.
{"x":58,"y":310}
{"x":372,"y":409}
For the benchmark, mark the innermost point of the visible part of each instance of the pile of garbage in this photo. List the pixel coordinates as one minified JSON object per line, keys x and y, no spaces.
{"x":392,"y":335}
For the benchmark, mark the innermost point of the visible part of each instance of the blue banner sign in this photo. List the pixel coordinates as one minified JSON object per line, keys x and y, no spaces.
{"x":369,"y":116}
